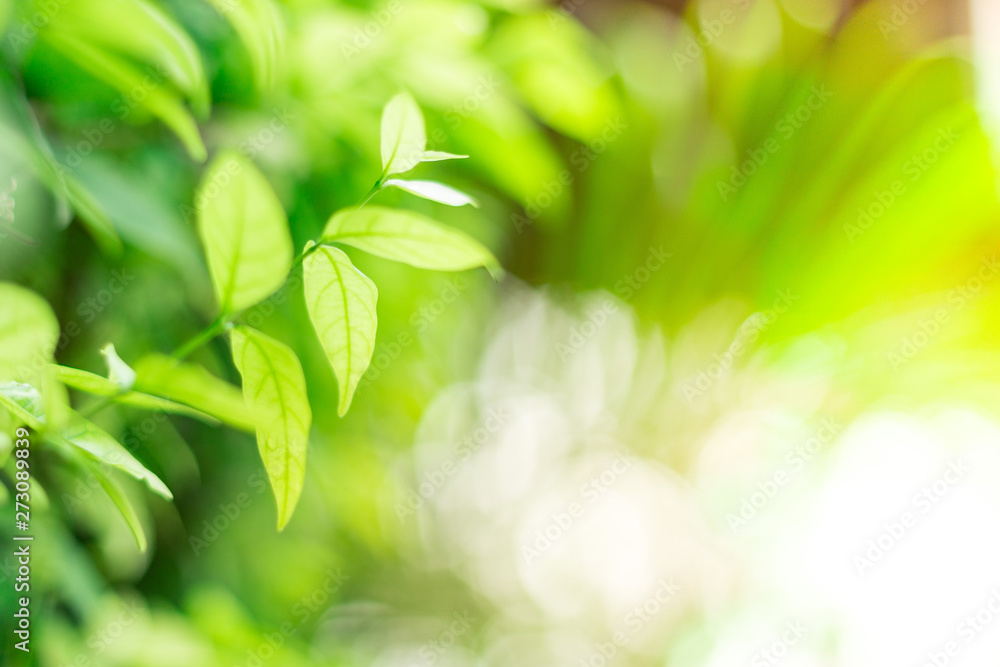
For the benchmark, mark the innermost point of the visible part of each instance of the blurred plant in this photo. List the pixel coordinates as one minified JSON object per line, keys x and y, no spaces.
{"x":245,"y":234}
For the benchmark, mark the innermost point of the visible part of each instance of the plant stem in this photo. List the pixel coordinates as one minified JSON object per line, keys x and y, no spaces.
{"x":374,"y":191}
{"x":101,"y":404}
{"x":371,"y":193}
{"x":213,"y":330}
{"x":305,"y":253}
{"x":219,"y":325}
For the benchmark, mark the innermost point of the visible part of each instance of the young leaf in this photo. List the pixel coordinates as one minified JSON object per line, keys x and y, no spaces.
{"x":341,"y":302}
{"x":119,"y":373}
{"x":99,"y":386}
{"x":244,"y":231}
{"x":275,"y":389}
{"x":434,"y":191}
{"x":404,"y":137}
{"x":121,"y":501}
{"x":88,"y":437}
{"x":28,"y":333}
{"x":24,"y":404}
{"x":437,"y":156}
{"x":408,"y":237}
{"x":194,"y":386}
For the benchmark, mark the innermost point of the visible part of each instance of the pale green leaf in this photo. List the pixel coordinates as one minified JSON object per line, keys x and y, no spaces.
{"x":275,"y":388}
{"x":23,"y":403}
{"x":261,"y":28}
{"x":29,"y":332}
{"x":194,"y":386}
{"x":341,"y":302}
{"x":408,"y":237}
{"x":437,"y":156}
{"x":434,"y":191}
{"x":404,"y":137}
{"x":100,"y":386}
{"x":87,"y":436}
{"x":119,"y":373}
{"x":245,"y":232}
{"x":121,"y":501}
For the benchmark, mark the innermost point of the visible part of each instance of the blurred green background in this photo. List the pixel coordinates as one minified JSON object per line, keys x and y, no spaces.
{"x":784,"y":205}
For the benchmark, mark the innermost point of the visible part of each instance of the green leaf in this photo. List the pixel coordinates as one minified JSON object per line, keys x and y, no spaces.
{"x":35,"y":147}
{"x":408,"y":237}
{"x":404,"y":137}
{"x":275,"y":388}
{"x":434,"y":191}
{"x":159,"y":100}
{"x":194,"y":386}
{"x":28,"y":334}
{"x":244,"y":231}
{"x":55,"y":399}
{"x":119,"y":373}
{"x":92,"y":215}
{"x":100,"y":386}
{"x":437,"y":156}
{"x":24,"y":404}
{"x":88,"y":437}
{"x":341,"y":302}
{"x":138,"y":31}
{"x":262,"y":30}
{"x":121,"y":501}
{"x":6,"y":447}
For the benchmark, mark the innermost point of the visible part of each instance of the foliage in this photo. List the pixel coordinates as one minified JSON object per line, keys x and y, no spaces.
{"x":221,"y":203}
